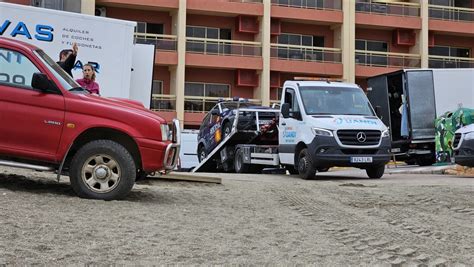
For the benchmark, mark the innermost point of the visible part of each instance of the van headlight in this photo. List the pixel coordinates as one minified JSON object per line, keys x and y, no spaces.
{"x":321,"y":132}
{"x":469,"y":136}
{"x":165,"y":132}
{"x":386,"y":133}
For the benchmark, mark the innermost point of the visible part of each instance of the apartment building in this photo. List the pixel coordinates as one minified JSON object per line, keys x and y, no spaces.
{"x":212,"y":49}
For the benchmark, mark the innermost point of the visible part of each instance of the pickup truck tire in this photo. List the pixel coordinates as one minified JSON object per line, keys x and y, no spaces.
{"x":102,"y":169}
{"x":375,"y":172}
{"x":306,"y":167}
{"x":239,"y":165}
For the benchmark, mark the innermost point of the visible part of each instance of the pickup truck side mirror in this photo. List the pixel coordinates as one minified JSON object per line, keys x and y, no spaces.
{"x":378,"y":111}
{"x":215,"y":112}
{"x":285,"y":110}
{"x":40,"y":81}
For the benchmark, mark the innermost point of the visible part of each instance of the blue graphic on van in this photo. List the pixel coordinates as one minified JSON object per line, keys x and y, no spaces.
{"x":42,"y":32}
{"x":340,"y":121}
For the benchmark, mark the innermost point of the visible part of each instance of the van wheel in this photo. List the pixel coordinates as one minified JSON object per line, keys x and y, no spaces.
{"x":102,"y":169}
{"x":306,"y":168}
{"x":239,"y":165}
{"x":375,"y":172}
{"x":201,"y":153}
{"x":227,"y":129}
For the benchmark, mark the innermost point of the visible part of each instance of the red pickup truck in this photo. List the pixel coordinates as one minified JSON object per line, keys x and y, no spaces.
{"x":49,"y":123}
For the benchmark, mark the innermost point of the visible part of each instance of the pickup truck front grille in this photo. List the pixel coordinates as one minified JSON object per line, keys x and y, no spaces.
{"x":359,"y":137}
{"x":457,"y":138}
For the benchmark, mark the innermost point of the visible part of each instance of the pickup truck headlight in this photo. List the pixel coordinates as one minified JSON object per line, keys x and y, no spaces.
{"x":165,"y":132}
{"x":469,"y":136}
{"x":321,"y":132}
{"x":386,"y":133}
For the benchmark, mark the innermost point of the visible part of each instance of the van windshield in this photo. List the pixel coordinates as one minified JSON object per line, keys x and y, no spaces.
{"x":335,"y":101}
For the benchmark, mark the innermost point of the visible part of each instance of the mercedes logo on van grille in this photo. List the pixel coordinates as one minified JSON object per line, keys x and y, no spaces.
{"x":361,"y":137}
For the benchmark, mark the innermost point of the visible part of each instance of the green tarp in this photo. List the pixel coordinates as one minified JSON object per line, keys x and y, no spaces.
{"x":446,"y":125}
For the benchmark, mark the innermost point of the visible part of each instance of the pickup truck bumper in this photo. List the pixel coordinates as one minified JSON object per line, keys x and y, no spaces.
{"x":464,"y":155}
{"x":160,"y":155}
{"x":326,"y":152}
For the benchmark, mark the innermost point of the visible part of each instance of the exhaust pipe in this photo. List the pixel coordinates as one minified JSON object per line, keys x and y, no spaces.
{"x":25,"y":166}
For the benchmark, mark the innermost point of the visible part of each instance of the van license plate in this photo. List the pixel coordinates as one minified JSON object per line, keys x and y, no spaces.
{"x":361,"y":159}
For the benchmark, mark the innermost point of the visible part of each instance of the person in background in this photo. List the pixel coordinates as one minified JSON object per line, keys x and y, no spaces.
{"x":88,"y":80}
{"x":67,"y":58}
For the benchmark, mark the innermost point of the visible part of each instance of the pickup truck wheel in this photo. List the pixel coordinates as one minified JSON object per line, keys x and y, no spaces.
{"x":102,"y":169}
{"x":239,"y":165}
{"x":375,"y":172}
{"x":306,"y":169}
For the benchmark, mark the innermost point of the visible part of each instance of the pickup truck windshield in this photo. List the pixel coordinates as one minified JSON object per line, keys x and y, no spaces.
{"x":66,"y":81}
{"x":335,"y":101}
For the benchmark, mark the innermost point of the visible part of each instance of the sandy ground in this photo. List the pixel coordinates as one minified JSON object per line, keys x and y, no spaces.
{"x":341,"y":219}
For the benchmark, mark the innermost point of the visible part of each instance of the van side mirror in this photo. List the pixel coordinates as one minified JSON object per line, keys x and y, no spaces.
{"x":40,"y":81}
{"x":215,"y":112}
{"x":378,"y":111}
{"x":285,"y":110}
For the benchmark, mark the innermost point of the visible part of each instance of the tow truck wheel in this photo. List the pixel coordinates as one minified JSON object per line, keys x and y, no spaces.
{"x":102,"y":169}
{"x":306,"y":169}
{"x":239,"y":165}
{"x":375,"y":172}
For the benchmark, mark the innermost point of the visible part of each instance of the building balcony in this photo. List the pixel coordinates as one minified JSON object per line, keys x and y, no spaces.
{"x":393,"y":15}
{"x":165,"y":105}
{"x":141,"y":4}
{"x":372,"y":63}
{"x":306,"y":59}
{"x":451,"y":19}
{"x":166,"y":46}
{"x":450,"y":62}
{"x":218,"y":53}
{"x":328,"y":11}
{"x":235,"y":7}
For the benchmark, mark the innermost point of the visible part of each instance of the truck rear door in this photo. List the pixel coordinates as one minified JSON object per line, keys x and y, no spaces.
{"x":377,"y":92}
{"x":421,"y":104}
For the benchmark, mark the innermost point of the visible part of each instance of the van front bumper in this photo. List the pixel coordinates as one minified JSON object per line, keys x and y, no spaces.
{"x":326,"y":153}
{"x":464,"y":155}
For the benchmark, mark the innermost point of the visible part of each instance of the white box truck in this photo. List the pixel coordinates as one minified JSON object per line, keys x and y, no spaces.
{"x":409,"y":102}
{"x":321,"y":124}
{"x":106,"y":43}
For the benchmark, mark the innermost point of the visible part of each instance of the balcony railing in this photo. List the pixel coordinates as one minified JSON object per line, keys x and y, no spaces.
{"x":451,"y":13}
{"x":310,"y":4}
{"x":223,"y":47}
{"x":163,"y":102}
{"x":305,"y":53}
{"x":247,"y":1}
{"x":391,"y":9}
{"x":387,"y":59}
{"x":450,"y":62}
{"x":161,"y":41}
{"x":201,"y":104}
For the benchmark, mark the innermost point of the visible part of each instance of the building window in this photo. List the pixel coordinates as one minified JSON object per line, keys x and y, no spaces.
{"x":300,"y":40}
{"x":152,"y":28}
{"x":365,"y":58}
{"x":50,"y":4}
{"x":158,"y":101}
{"x":210,"y":47}
{"x":450,"y":56}
{"x":157,"y":87}
{"x":203,"y":96}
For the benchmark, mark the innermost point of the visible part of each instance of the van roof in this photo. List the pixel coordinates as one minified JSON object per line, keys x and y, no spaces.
{"x":321,"y":84}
